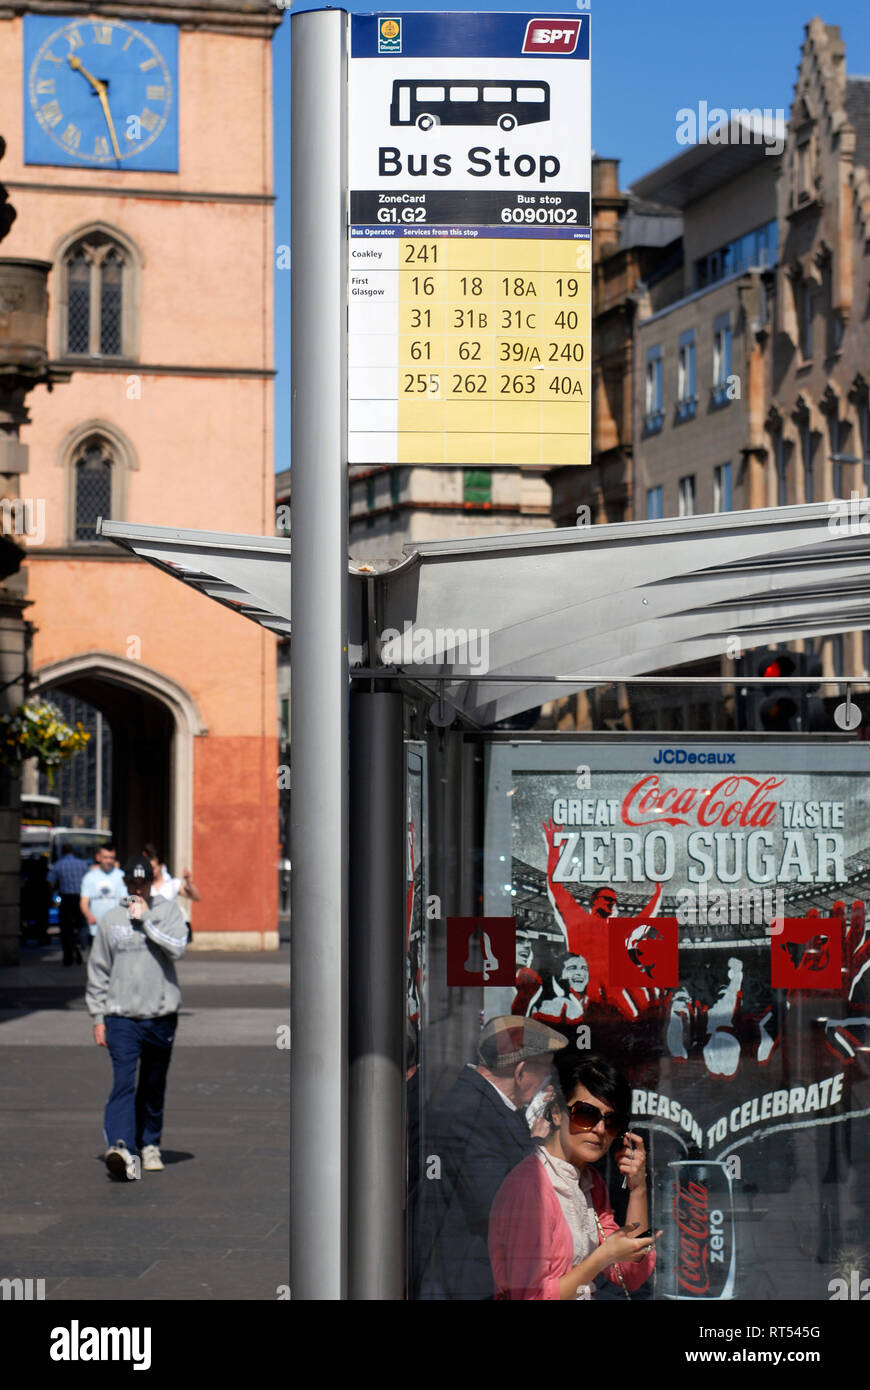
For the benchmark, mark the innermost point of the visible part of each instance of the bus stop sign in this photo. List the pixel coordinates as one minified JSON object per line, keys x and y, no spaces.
{"x":469,"y":247}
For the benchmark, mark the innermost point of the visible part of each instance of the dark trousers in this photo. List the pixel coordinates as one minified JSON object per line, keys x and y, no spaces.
{"x":134,"y":1112}
{"x":71,"y":921}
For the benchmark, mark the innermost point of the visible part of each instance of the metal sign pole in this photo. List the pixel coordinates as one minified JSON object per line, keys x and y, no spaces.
{"x":318,"y":1106}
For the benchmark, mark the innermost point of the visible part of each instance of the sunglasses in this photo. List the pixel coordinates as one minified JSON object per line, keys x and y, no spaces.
{"x":583,"y":1116}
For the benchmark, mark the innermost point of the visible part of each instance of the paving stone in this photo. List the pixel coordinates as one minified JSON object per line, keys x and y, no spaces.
{"x":214,"y":1225}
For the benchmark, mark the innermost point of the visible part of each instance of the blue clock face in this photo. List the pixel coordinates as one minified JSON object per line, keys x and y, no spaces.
{"x":100,"y":93}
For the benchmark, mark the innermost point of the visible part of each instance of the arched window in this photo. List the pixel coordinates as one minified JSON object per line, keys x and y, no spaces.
{"x":92,"y":464}
{"x":99,"y":292}
{"x":97,"y":459}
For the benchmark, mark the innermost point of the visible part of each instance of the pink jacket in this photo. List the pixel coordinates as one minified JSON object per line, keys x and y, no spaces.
{"x":530,"y":1245}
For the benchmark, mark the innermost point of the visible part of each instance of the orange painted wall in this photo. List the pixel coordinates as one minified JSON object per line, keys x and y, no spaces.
{"x":235,"y":832}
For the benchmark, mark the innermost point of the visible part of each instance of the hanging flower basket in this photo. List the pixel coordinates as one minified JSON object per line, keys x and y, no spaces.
{"x":36,"y":729}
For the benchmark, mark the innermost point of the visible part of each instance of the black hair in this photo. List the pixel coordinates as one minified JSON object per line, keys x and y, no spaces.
{"x":600,"y":1077}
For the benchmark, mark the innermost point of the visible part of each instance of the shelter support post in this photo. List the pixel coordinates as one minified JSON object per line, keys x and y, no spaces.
{"x":318,"y":827}
{"x":377,"y":997}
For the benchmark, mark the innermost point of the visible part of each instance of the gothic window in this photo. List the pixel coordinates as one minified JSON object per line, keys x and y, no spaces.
{"x":864,"y":437}
{"x":807,"y":300}
{"x":781,"y":463}
{"x":98,"y":289}
{"x":806,"y":446}
{"x":93,"y":486}
{"x":97,"y":459}
{"x":835,"y":453}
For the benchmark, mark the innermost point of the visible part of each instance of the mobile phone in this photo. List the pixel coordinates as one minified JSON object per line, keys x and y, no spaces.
{"x":630,"y":1146}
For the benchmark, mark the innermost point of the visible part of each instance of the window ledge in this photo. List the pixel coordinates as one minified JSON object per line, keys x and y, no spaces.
{"x":653,"y":423}
{"x":78,"y":359}
{"x":686,"y":409}
{"x":719,"y":397}
{"x":79,"y":550}
{"x":807,"y":202}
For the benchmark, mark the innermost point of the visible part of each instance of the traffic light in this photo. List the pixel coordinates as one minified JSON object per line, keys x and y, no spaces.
{"x":774,"y":707}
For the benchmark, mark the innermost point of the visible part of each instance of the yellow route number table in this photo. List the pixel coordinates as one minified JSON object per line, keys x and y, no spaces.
{"x":489,"y":341}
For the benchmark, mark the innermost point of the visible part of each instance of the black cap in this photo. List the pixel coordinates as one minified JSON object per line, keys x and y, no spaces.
{"x":138,"y":868}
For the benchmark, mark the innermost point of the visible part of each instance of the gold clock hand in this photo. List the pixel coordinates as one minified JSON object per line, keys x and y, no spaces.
{"x":78,"y":66}
{"x":104,"y":102}
{"x":100,"y":88}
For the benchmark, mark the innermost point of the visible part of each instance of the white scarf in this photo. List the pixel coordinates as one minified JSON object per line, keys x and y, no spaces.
{"x":572,"y":1190}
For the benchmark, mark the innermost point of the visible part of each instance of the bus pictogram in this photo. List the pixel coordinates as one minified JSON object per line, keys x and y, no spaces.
{"x":503,"y":104}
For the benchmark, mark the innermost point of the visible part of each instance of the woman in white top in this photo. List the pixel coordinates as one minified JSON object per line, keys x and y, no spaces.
{"x":552,"y":1231}
{"x":164,"y":885}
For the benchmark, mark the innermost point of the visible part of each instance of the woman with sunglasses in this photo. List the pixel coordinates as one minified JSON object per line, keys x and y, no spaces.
{"x":552,"y":1230}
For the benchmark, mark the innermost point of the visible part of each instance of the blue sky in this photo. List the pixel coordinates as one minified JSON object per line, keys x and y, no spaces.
{"x":648,"y":61}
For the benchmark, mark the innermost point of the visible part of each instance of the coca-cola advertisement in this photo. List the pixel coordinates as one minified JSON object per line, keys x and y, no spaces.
{"x":699,"y":1251}
{"x":696,"y":912}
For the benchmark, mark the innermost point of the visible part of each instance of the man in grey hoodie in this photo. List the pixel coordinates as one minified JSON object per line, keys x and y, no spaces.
{"x":133,"y":999}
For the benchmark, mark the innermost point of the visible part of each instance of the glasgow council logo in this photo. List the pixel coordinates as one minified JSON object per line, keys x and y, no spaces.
{"x":390,"y":36}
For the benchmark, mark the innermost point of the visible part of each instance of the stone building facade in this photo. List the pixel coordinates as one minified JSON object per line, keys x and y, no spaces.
{"x":817,"y":421}
{"x":699,"y":384}
{"x":161,"y":307}
{"x":392,"y":506}
{"x":636,"y":257}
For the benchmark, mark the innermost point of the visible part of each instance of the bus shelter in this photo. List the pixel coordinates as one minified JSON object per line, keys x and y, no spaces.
{"x":729,"y":977}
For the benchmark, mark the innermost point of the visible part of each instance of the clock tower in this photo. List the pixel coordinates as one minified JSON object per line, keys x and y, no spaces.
{"x":139,"y":158}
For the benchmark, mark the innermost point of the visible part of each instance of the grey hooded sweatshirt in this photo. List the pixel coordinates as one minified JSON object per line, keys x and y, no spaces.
{"x":130,"y":968}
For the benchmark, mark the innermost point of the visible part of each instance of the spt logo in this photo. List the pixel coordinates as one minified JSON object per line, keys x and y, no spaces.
{"x":551,"y":36}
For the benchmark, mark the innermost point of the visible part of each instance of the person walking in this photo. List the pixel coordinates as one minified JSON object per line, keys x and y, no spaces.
{"x":133,"y":999}
{"x":102,"y":888}
{"x":65,"y":876}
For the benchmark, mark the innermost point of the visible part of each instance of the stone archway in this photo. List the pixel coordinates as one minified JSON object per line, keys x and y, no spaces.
{"x":154,"y":721}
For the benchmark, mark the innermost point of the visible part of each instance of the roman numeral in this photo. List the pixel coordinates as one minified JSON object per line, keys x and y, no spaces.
{"x":45,"y":87}
{"x":74,"y":38}
{"x":50,"y":114}
{"x":72,"y":136}
{"x":50,"y":58}
{"x":155,"y":93}
{"x":103,"y":33}
{"x":148,"y":64}
{"x":101,"y":147}
{"x":149,"y":119}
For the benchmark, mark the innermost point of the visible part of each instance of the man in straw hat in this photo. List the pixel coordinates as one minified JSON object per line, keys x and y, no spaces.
{"x":479,"y":1135}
